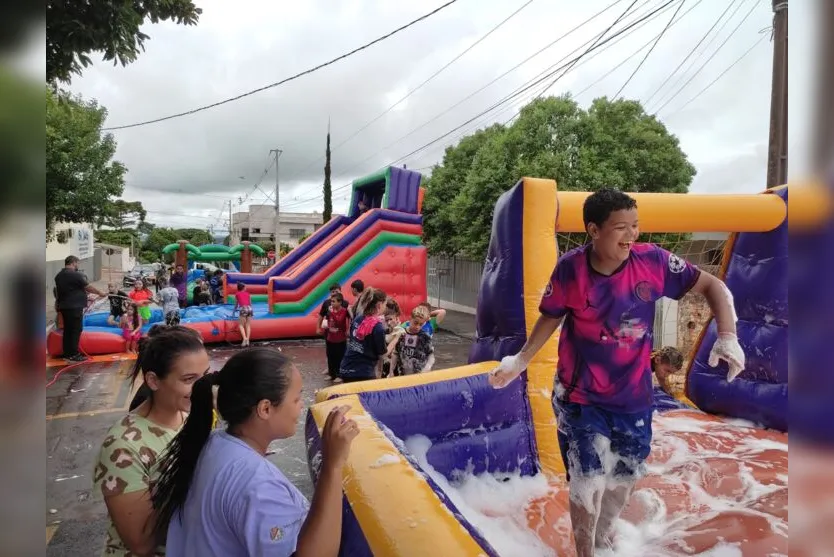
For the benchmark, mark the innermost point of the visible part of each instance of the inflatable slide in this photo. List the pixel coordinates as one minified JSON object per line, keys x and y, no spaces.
{"x":446,"y":465}
{"x":379,"y":243}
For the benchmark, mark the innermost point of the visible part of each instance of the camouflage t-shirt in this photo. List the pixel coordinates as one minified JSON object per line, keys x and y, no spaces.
{"x":128,"y":462}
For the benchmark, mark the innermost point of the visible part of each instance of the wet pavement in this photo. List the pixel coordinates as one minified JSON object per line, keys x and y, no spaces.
{"x":86,"y":400}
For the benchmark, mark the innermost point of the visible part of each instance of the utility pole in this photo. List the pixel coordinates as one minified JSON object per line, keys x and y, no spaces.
{"x":231,"y":228}
{"x":277,"y":206}
{"x":777,"y":151}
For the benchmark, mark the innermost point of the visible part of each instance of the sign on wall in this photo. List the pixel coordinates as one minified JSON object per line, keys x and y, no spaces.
{"x":81,"y":243}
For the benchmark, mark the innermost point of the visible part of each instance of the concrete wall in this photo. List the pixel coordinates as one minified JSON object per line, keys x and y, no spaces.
{"x":90,"y":266}
{"x":70,"y":239}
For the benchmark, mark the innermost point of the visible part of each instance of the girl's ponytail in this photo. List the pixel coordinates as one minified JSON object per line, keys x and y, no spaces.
{"x":176,"y":470}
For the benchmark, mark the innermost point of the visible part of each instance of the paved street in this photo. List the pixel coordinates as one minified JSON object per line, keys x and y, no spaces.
{"x":84,"y":402}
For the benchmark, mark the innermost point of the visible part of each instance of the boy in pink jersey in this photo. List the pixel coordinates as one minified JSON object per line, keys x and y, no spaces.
{"x":603,"y":295}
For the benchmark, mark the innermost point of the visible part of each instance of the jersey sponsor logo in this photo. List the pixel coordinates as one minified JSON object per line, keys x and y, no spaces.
{"x":548,"y":290}
{"x":276,"y":533}
{"x":676,"y":264}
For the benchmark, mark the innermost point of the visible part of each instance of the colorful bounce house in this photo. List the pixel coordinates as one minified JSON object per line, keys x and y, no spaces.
{"x":382,"y":246}
{"x":189,"y":255}
{"x":446,"y":465}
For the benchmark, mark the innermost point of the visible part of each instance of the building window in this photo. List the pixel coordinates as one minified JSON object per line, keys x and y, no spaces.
{"x":256,"y":231}
{"x":296,"y":233}
{"x":244,"y":234}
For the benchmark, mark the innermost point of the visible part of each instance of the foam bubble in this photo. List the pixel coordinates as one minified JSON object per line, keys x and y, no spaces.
{"x":702,"y":469}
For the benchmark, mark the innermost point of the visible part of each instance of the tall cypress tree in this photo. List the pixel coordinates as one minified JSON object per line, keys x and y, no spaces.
{"x":328,"y":194}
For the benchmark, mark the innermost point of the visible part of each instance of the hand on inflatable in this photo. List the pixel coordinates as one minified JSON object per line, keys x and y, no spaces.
{"x":337,"y":435}
{"x":509,"y":368}
{"x":727,"y":348}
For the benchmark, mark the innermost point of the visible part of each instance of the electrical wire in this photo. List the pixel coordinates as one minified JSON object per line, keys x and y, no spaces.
{"x":707,"y":61}
{"x":510,"y":97}
{"x":698,"y":57}
{"x":633,"y":54}
{"x":657,"y":40}
{"x":287,"y":79}
{"x":713,"y":82}
{"x":543,"y":76}
{"x":421,"y":85}
{"x":449,"y":109}
{"x":692,"y":51}
{"x":589,"y":49}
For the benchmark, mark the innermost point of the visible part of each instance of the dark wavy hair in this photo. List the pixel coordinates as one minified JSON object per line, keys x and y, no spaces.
{"x":250,"y":376}
{"x":158,"y":352}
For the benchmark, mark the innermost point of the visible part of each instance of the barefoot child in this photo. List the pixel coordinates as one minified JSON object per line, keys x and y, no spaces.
{"x":414,"y":351}
{"x":243,"y":302}
{"x":603,"y":294}
{"x":335,"y":337}
{"x":666,"y":362}
{"x":118,"y":300}
{"x":393,"y":332}
{"x":131,"y":325}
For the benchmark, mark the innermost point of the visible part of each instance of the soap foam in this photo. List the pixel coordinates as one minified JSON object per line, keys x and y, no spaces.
{"x":686,"y":466}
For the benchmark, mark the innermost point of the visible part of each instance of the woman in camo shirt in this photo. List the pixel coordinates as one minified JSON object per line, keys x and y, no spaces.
{"x":170,"y":361}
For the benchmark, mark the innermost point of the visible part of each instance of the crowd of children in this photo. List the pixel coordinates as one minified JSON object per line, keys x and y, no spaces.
{"x":368,"y":340}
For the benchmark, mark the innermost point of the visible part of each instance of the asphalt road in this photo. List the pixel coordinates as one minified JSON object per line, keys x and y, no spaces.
{"x":85,"y":401}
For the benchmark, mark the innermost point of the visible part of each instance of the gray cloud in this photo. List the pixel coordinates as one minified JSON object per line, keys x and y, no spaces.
{"x":233,"y":50}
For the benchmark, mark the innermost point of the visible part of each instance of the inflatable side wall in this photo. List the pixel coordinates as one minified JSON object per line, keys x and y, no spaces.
{"x":755,"y":268}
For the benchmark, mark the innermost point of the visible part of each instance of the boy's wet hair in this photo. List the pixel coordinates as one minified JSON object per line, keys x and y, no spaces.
{"x":240,"y":286}
{"x":670,"y":356}
{"x":335,"y":287}
{"x":600,"y":204}
{"x":420,"y":311}
{"x":392,"y":307}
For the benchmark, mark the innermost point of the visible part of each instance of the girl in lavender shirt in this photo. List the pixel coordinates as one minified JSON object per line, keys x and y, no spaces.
{"x":218,"y":495}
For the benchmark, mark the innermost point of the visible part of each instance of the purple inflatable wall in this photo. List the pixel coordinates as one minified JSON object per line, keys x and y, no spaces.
{"x":500,"y":324}
{"x":812,"y":308}
{"x":757,"y":275}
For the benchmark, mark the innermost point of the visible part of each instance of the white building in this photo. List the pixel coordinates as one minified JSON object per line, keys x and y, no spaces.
{"x":258,"y":224}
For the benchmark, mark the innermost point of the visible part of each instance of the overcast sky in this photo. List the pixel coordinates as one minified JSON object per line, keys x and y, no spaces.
{"x":221,"y":153}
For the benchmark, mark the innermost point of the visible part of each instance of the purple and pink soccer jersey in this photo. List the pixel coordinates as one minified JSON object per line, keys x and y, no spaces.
{"x":606,"y":338}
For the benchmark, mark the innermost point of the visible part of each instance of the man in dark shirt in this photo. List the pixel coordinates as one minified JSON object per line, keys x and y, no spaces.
{"x":71,"y":288}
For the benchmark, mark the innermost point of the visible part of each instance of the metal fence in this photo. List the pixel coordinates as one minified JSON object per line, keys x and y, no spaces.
{"x":454,"y":280}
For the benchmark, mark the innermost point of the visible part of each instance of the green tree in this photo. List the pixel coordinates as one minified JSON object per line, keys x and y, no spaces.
{"x":612,"y":143}
{"x":124,"y":237}
{"x":440,"y":223}
{"x":81,"y":177}
{"x":327,"y":189}
{"x":266,"y":245}
{"x":74,"y":30}
{"x":120,"y":214}
{"x":160,"y":237}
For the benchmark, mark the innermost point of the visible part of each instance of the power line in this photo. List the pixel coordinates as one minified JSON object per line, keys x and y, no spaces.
{"x":436,"y":117}
{"x":589,"y":49}
{"x":717,"y":50}
{"x":660,"y":36}
{"x":530,"y":84}
{"x":692,"y":51}
{"x":633,"y":54}
{"x":287,"y":79}
{"x":431,"y":77}
{"x":730,"y":67}
{"x":698,"y":57}
{"x":510,"y":97}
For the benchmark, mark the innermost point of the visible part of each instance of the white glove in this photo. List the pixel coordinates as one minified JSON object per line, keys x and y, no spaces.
{"x":509,"y":368}
{"x":727,"y":348}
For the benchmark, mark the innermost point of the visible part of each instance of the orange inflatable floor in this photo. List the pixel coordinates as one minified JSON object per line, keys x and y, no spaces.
{"x":714,"y":487}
